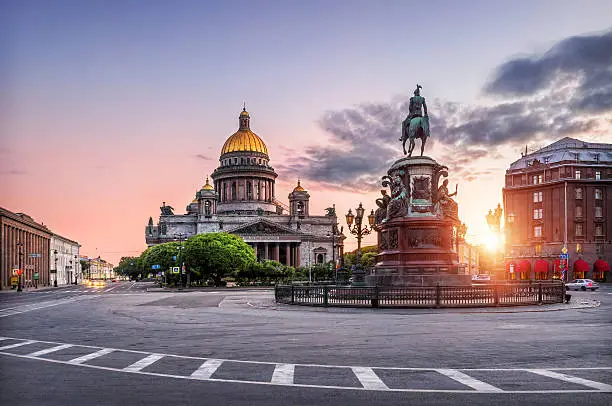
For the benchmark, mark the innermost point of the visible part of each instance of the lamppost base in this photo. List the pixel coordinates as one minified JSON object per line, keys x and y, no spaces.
{"x":19,"y":288}
{"x":55,"y":283}
{"x":358,"y":277}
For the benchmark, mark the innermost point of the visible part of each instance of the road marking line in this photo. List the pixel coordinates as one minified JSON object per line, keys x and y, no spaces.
{"x":7,"y":347}
{"x":574,"y":379}
{"x":207,"y":369}
{"x":467,"y":380}
{"x":369,"y":379}
{"x":91,"y":356}
{"x":109,"y":289}
{"x":49,"y":350}
{"x":143,"y":363}
{"x":547,"y":391}
{"x":283,"y":374}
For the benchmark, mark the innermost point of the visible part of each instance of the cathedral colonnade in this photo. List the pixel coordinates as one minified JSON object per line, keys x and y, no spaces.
{"x":287,"y":253}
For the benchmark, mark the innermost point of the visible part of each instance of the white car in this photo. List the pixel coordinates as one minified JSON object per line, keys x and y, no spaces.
{"x":582,"y":284}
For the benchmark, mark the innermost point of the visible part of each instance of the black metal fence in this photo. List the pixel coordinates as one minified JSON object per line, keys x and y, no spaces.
{"x":511,"y":294}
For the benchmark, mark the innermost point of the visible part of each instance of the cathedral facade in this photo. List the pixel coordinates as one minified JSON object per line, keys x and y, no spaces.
{"x":242,"y":200}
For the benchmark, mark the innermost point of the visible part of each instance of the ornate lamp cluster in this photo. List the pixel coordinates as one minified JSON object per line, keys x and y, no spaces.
{"x":359,"y":232}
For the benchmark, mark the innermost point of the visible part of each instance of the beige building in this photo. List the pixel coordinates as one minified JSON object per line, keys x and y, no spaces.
{"x":64,"y":260}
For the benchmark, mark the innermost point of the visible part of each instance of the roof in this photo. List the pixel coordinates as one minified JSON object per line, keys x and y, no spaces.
{"x":24,"y":219}
{"x":567,"y":149}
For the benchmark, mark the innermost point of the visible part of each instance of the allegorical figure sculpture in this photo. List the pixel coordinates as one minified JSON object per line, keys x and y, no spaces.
{"x":397,"y":205}
{"x":382,"y":203}
{"x":444,"y":204}
{"x":166,"y":210}
{"x":416,"y":125}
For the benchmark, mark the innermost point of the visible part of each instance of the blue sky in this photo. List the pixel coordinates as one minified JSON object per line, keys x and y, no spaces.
{"x":129,"y":92}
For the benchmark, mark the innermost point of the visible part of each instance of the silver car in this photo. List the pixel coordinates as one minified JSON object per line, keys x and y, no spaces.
{"x":582,"y":284}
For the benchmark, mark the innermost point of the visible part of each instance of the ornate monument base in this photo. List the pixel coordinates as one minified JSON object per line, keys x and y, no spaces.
{"x":417,"y":228}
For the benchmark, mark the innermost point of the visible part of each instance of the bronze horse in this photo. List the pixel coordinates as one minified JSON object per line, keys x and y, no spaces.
{"x":417,"y":127}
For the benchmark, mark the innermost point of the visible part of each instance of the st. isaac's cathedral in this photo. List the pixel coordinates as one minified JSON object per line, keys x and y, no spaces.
{"x":242,"y":201}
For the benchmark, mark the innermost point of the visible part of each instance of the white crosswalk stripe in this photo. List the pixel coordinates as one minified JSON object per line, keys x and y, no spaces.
{"x":143,"y":363}
{"x":283,"y":374}
{"x":468,"y":380}
{"x":207,"y":369}
{"x":573,"y":379}
{"x":318,"y":376}
{"x":369,"y":379}
{"x":49,"y":350}
{"x":91,"y":356}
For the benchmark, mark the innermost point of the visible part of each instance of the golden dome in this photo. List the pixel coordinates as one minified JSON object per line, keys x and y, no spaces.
{"x":208,"y":186}
{"x":244,"y":141}
{"x":299,"y":188}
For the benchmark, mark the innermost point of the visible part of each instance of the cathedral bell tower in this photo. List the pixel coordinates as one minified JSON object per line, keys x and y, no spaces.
{"x":299,"y":202}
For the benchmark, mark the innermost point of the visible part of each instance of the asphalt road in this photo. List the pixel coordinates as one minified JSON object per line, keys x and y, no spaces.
{"x":121,"y":345}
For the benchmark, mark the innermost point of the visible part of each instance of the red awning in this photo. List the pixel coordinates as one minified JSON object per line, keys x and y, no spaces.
{"x":581,"y":266}
{"x":541,"y":266}
{"x":601,"y":266}
{"x":524,"y":266}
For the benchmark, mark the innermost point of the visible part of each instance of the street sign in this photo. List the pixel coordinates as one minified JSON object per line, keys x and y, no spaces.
{"x":175,"y":269}
{"x":34,"y":255}
{"x":155,"y":267}
{"x":174,"y":258}
{"x":564,"y":256}
{"x":14,"y":280}
{"x":36,"y":276}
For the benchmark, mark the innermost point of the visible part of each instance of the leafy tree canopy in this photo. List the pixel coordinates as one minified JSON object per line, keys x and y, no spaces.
{"x":162,"y":255}
{"x":216,"y":255}
{"x":130,"y":266}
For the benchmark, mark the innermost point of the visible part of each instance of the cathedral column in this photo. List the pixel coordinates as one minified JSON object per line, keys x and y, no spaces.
{"x":277,"y":252}
{"x":255,"y":249}
{"x":265,"y":251}
{"x":297,"y":255}
{"x":288,"y":253}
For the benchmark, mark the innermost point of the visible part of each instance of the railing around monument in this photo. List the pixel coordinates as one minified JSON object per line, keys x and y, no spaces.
{"x":514,"y":294}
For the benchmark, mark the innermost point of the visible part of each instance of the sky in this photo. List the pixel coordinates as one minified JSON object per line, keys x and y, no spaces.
{"x":109,"y":108}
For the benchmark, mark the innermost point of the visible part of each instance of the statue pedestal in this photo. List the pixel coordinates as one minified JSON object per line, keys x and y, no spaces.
{"x":417,"y":246}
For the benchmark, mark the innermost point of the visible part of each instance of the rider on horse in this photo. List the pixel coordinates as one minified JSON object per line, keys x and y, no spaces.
{"x":421,"y":121}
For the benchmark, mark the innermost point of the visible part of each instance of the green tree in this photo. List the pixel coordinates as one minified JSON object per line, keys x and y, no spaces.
{"x":84,"y":267}
{"x":131,"y":267}
{"x":216,"y":255}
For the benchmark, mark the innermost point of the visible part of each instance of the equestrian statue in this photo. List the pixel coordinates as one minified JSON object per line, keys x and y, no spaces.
{"x":416,"y":125}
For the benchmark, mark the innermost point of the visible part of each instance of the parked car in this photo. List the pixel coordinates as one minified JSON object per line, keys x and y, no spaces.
{"x":582,"y":284}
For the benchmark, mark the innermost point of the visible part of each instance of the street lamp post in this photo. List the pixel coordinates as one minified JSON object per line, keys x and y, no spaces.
{"x":20,"y":271}
{"x":180,"y":249}
{"x":55,"y":280}
{"x":74,"y":268}
{"x":359,"y":232}
{"x":334,"y":233}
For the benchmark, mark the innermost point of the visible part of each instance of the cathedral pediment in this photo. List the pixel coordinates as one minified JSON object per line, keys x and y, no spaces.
{"x":263,"y":227}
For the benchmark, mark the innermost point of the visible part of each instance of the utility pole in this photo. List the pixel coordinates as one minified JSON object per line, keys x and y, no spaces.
{"x":20,"y":254}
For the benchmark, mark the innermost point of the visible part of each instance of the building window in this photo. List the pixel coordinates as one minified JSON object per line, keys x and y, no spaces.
{"x":578,"y":230}
{"x":233,"y":190}
{"x":537,"y":231}
{"x":537,"y":179}
{"x":598,"y":230}
{"x":579,"y":211}
{"x":537,"y":214}
{"x":579,"y":248}
{"x":546,"y":159}
{"x":259,"y":161}
{"x":579,"y":193}
{"x":598,"y":211}
{"x":597,"y":175}
{"x":537,"y":197}
{"x":320,"y":258}
{"x":577,"y":174}
{"x":597,"y":194}
{"x":598,"y":249}
{"x":249,"y":190}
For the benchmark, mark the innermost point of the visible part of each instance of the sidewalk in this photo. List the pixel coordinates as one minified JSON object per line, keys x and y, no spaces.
{"x":32,"y":289}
